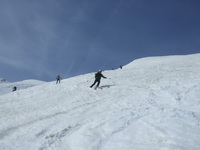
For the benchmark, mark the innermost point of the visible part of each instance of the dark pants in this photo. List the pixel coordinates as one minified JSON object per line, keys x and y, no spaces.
{"x":58,"y":81}
{"x":96,"y":81}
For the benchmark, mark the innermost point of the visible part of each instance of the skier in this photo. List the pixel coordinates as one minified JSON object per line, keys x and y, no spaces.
{"x":14,"y":88}
{"x":58,"y":78}
{"x":98,"y":76}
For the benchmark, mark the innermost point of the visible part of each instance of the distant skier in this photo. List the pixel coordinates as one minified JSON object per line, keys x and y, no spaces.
{"x":58,"y":78}
{"x":14,"y":88}
{"x":97,"y":80}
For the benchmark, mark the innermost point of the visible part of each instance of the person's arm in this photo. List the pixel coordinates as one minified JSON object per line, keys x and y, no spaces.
{"x":103,"y":76}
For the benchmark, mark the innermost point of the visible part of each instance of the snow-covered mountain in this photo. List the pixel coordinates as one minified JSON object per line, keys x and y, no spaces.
{"x":150,"y":104}
{"x":2,"y":80}
{"x":6,"y":87}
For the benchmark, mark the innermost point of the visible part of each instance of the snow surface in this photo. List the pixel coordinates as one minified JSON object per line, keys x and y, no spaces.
{"x":150,"y":104}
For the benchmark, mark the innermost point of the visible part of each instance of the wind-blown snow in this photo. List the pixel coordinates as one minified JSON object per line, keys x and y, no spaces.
{"x":150,"y":104}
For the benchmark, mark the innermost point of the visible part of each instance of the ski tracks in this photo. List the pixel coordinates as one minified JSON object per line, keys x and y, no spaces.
{"x":53,"y":140}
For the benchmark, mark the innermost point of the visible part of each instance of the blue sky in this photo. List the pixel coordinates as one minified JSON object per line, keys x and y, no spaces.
{"x":42,"y":38}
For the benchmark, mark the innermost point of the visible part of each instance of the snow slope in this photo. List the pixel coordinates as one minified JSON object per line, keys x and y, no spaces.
{"x":150,"y":104}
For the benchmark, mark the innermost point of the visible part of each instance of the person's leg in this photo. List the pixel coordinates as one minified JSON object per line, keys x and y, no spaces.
{"x":93,"y":83}
{"x":98,"y":83}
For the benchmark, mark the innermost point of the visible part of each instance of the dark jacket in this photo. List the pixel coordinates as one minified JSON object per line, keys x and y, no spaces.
{"x":58,"y":77}
{"x":98,"y":76}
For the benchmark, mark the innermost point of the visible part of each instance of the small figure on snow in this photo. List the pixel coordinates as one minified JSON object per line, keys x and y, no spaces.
{"x":58,"y":78}
{"x":97,"y":80}
{"x":14,"y":88}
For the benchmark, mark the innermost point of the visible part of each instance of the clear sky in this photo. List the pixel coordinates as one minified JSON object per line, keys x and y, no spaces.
{"x":42,"y":38}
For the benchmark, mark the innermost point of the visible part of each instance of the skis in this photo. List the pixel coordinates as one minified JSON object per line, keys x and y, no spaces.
{"x":96,"y":87}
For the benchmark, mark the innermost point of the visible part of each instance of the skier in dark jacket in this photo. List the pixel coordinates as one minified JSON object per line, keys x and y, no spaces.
{"x":58,"y":78}
{"x":97,"y":80}
{"x":14,"y":88}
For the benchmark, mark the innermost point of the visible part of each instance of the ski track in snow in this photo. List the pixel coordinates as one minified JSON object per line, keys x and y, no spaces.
{"x":134,"y":110}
